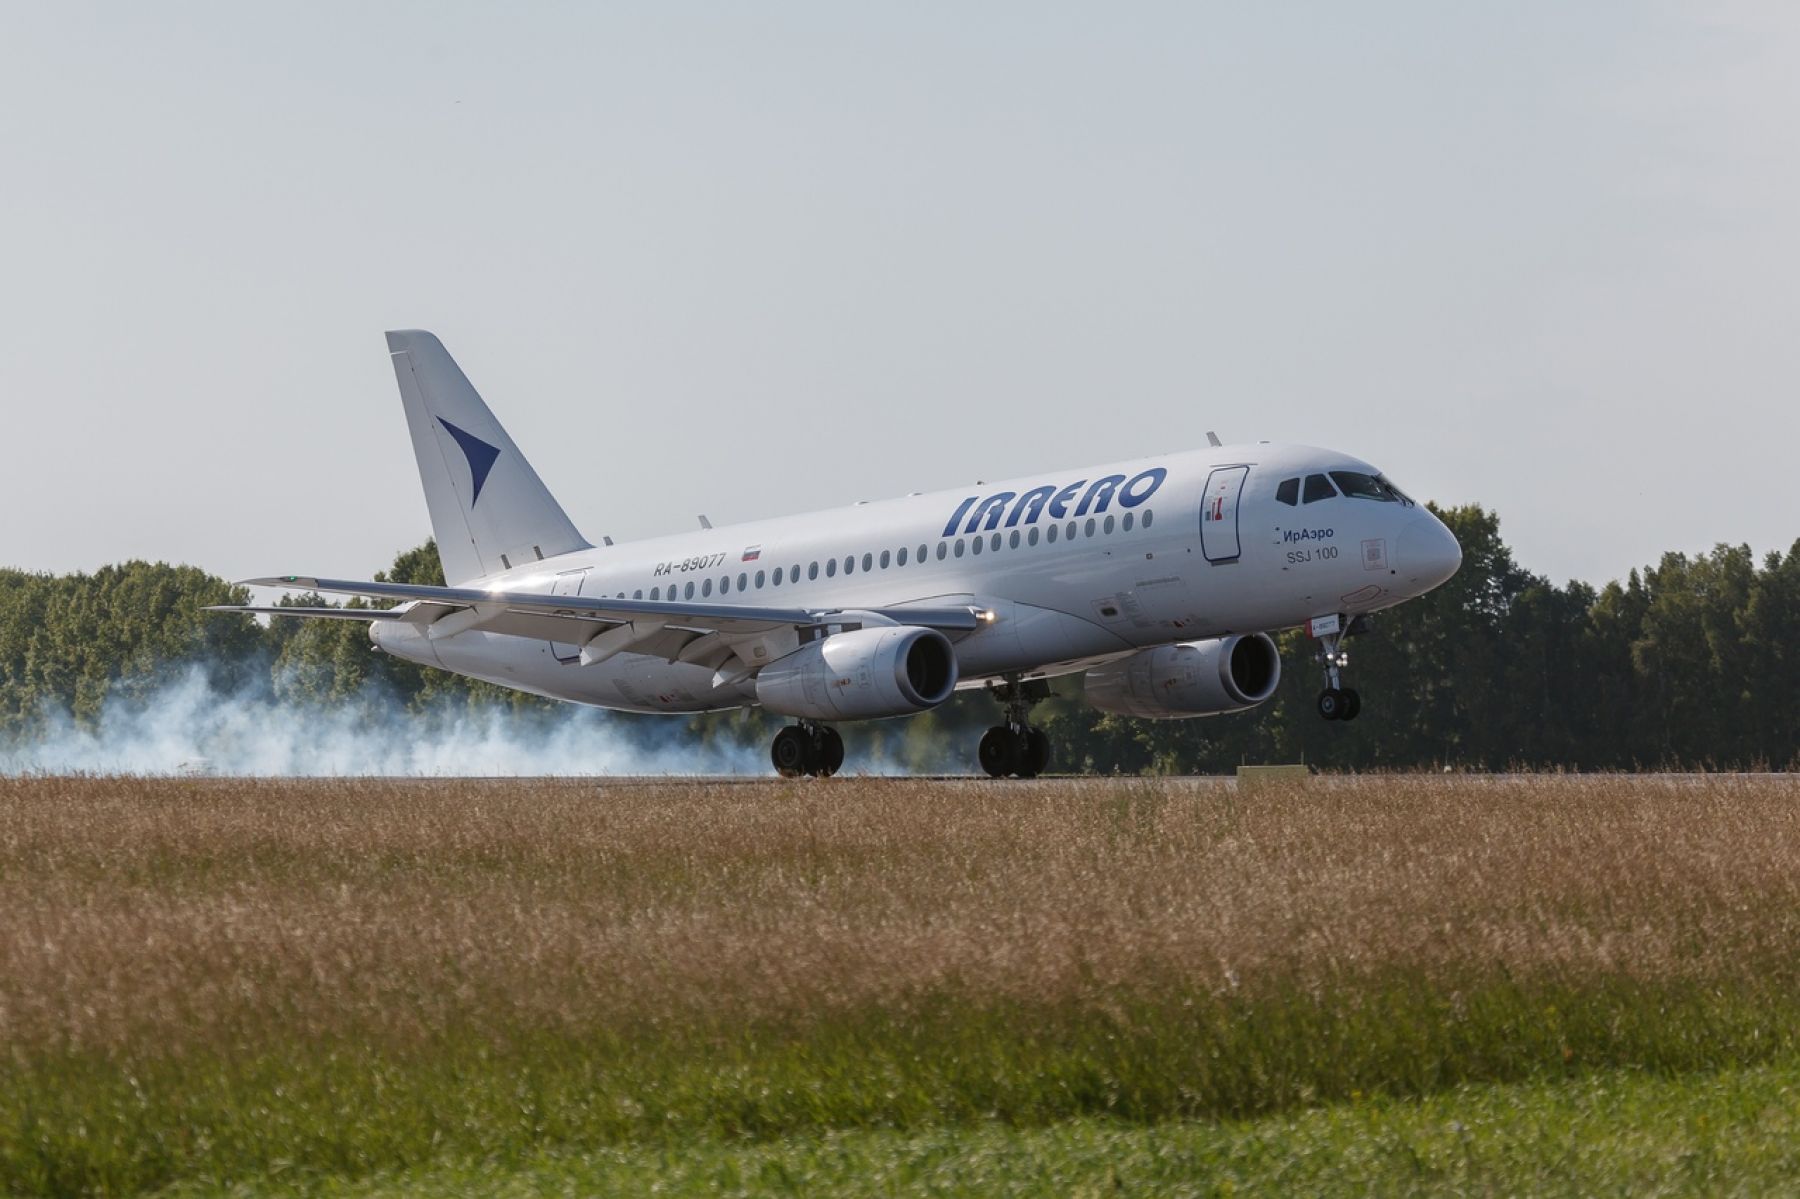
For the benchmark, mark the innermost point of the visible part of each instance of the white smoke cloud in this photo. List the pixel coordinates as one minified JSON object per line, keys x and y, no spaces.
{"x":190,"y":725}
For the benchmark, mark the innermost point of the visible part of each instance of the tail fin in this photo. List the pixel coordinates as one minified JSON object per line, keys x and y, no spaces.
{"x":489,"y":510}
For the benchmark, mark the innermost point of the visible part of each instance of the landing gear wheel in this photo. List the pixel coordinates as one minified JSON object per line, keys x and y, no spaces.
{"x":1035,"y":755}
{"x":830,"y":753}
{"x":999,"y":752}
{"x":792,"y":752}
{"x":1332,"y":704}
{"x":1015,"y":748}
{"x":1352,"y":705}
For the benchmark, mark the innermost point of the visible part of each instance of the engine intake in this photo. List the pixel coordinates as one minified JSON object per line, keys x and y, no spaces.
{"x":1194,"y":678}
{"x":863,"y":674}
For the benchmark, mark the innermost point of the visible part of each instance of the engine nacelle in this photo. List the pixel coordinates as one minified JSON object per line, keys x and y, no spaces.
{"x":1194,"y":678}
{"x":863,"y":674}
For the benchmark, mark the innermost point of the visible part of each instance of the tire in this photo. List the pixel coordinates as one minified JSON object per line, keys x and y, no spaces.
{"x":999,"y":752}
{"x":830,"y":758}
{"x":791,"y":754}
{"x":1035,"y":755}
{"x":1331,"y":704}
{"x":1352,"y":705}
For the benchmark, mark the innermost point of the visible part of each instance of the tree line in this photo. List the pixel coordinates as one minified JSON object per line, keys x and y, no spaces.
{"x":1691,"y":663}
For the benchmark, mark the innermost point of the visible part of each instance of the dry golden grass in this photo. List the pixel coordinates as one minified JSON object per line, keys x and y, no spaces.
{"x":216,"y":980}
{"x":169,"y":916}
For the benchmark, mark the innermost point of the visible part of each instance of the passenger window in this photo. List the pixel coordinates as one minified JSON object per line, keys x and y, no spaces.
{"x":812,"y":570}
{"x":901,"y":559}
{"x":1126,"y":523}
{"x":1148,"y":515}
{"x":959,"y":547}
{"x":1013,"y":540}
{"x":744,"y":581}
{"x":884,"y":559}
{"x":793,"y":573}
{"x":1318,"y":487}
{"x":656,"y":593}
{"x":1031,"y":538}
{"x":831,"y":568}
{"x":638,"y":594}
{"x":922,"y":555}
{"x":1070,"y":531}
{"x":1090,"y":526}
{"x":705,"y":588}
{"x":724,"y":584}
{"x":759,"y":580}
{"x":1107,"y":527}
{"x":975,"y":545}
{"x":1051,"y":534}
{"x":1288,"y":492}
{"x":995,"y":543}
{"x":868,"y":563}
{"x":688,"y":591}
{"x":941,"y":551}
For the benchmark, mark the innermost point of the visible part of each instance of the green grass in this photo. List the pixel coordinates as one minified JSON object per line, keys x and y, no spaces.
{"x":1618,"y":1132}
{"x":78,"y":1124}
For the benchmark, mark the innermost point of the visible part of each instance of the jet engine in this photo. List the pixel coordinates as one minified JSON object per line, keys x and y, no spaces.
{"x":1193,"y":678}
{"x":863,"y":674}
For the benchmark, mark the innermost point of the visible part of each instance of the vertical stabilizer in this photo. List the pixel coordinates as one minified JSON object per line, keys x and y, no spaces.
{"x":489,"y":510}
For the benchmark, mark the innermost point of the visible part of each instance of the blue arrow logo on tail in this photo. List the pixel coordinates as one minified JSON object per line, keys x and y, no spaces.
{"x":480,"y":454}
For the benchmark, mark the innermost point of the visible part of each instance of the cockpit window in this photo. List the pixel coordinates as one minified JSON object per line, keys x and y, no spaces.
{"x":1359,"y":486}
{"x":1288,"y":492}
{"x":1318,"y":487}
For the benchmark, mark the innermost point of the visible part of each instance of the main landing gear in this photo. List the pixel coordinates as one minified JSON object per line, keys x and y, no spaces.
{"x":808,"y":748}
{"x":1015,"y":748}
{"x":1336,"y":702}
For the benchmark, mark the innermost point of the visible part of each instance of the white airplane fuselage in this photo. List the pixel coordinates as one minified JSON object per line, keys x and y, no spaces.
{"x":1069,"y":568}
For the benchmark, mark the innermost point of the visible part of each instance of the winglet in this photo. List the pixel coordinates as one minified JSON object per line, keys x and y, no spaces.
{"x":1212,"y":439}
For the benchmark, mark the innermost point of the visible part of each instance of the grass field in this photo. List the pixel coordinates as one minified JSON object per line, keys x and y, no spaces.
{"x":548,"y":986}
{"x":1616,"y":1132}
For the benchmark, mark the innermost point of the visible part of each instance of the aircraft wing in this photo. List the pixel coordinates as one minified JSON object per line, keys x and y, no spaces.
{"x":679,"y":630}
{"x":364,"y":614}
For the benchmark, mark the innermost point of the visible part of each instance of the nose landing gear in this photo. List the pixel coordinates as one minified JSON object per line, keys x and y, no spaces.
{"x":1015,"y":748}
{"x":1336,"y":702}
{"x":808,"y":748}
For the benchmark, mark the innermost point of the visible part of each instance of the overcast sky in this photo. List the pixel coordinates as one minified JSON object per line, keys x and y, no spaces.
{"x":755,"y":258}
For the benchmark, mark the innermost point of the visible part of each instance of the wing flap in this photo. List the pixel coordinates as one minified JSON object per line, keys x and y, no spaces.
{"x":362,"y":614}
{"x":735,"y":618}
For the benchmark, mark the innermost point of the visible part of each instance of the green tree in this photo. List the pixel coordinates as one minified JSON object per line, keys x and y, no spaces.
{"x":71,"y":642}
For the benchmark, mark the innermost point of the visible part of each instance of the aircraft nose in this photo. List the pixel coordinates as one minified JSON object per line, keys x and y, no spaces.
{"x":1427,"y":552}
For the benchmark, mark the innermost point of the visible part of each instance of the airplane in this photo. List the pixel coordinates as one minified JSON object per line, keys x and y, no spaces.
{"x":1158,"y":579}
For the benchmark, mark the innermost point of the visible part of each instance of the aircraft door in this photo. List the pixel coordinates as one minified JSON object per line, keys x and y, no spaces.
{"x":1219,"y":514}
{"x":567,"y":584}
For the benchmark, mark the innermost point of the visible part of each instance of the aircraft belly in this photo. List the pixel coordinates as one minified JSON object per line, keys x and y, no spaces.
{"x":646,"y":684}
{"x":1025,"y":637}
{"x":629,"y":682}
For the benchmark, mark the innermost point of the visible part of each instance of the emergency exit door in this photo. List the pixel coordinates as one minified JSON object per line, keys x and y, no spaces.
{"x":1219,"y":514}
{"x":567,"y":584}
